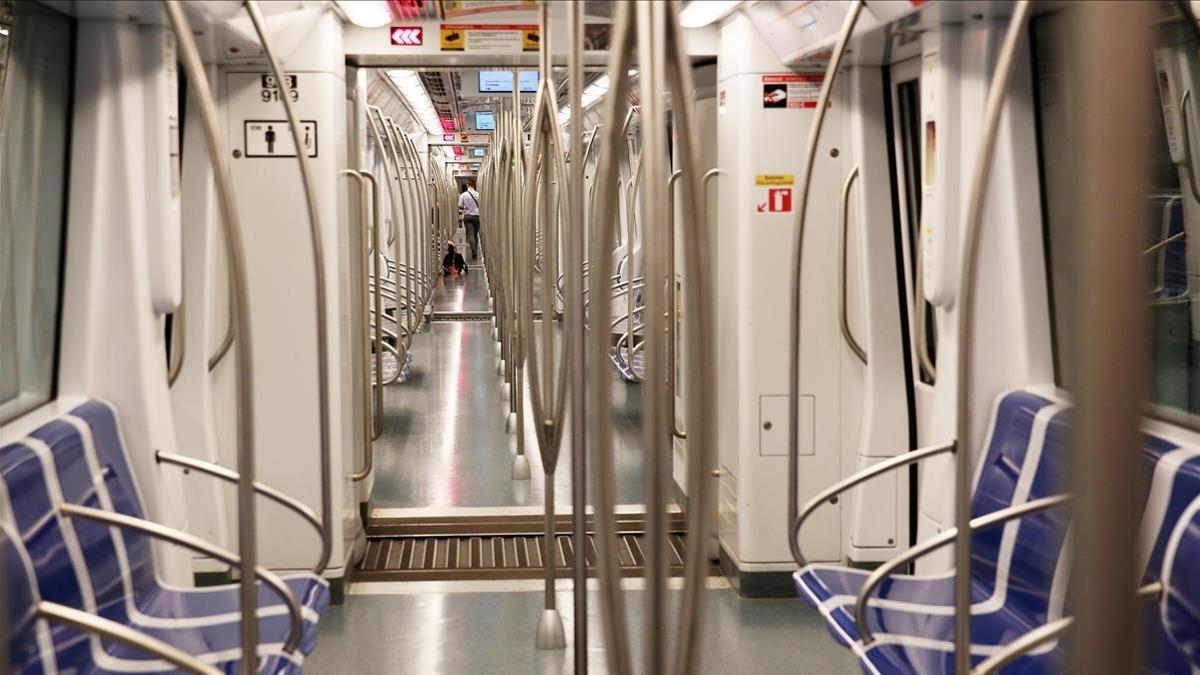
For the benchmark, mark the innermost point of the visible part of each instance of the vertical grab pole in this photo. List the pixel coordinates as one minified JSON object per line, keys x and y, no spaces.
{"x":247,"y":521}
{"x":993,"y":107}
{"x":573,"y":313}
{"x":652,"y":169}
{"x":600,"y":441}
{"x":546,"y":398}
{"x":318,"y":256}
{"x":1114,"y":43}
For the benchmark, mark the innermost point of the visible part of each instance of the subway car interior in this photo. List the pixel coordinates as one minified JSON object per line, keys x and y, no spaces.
{"x":325,"y":337}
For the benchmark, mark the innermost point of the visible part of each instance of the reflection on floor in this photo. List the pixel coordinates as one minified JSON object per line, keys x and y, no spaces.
{"x":444,"y":442}
{"x":459,"y":628}
{"x":466,"y":293}
{"x":445,"y":449}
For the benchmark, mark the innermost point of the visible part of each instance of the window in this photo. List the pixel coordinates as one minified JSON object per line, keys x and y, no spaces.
{"x":34,"y":130}
{"x":1170,"y":206}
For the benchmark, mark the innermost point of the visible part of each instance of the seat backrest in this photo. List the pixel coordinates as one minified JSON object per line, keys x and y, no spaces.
{"x":998,"y":472}
{"x":28,"y":638}
{"x":119,"y":563}
{"x":1175,"y":490}
{"x":39,"y":529}
{"x":1180,"y":605}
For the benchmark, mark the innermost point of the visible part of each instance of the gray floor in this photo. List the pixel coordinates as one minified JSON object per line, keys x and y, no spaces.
{"x":444,"y":442}
{"x":445,"y":445}
{"x":487,"y":632}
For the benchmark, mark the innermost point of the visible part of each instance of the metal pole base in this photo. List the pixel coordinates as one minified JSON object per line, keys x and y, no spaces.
{"x":510,"y":425}
{"x":550,"y":633}
{"x":521,"y":468}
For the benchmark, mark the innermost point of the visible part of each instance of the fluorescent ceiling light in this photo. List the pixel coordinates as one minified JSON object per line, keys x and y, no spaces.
{"x":700,"y":13}
{"x":409,"y":84}
{"x":366,"y":13}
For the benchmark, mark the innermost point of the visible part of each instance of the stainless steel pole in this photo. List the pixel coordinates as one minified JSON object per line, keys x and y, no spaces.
{"x":1113,"y":71}
{"x":651,"y":28}
{"x":230,"y":220}
{"x":573,"y":313}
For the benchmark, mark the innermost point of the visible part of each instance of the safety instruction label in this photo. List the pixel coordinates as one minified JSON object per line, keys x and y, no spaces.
{"x":773,"y":192}
{"x":490,"y":38}
{"x":273,"y":138}
{"x":792,"y":90}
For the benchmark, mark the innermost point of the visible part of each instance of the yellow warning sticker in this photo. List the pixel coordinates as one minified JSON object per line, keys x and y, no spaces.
{"x":774,"y":179}
{"x":454,"y":38}
{"x":531,"y":39}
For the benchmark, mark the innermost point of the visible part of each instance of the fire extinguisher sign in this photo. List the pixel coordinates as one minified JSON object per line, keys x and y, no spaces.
{"x":773,"y":192}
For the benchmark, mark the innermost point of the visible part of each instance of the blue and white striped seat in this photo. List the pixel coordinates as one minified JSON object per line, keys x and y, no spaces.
{"x":1021,"y":583}
{"x":1179,"y":611}
{"x":79,"y":459}
{"x":97,"y":423}
{"x":1020,"y":423}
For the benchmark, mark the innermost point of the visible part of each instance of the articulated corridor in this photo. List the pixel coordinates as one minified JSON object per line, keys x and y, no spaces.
{"x":445,"y":453}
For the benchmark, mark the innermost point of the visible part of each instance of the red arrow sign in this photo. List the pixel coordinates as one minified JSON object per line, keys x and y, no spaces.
{"x":408,"y":36}
{"x":762,"y":208}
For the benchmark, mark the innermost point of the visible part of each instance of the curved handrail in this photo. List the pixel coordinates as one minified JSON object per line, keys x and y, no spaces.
{"x":179,"y":340}
{"x":119,"y":632}
{"x":547,"y":387}
{"x":843,"y":310}
{"x":1023,"y":645}
{"x":810,"y":155}
{"x":319,"y":287}
{"x":230,"y":476}
{"x":1046,"y":633}
{"x":1185,"y":130}
{"x":841,"y":486}
{"x":612,"y":603}
{"x":943,"y":539}
{"x":365,"y":244}
{"x":198,"y":545}
{"x":965,"y":308}
{"x":244,"y":395}
{"x":377,"y":424}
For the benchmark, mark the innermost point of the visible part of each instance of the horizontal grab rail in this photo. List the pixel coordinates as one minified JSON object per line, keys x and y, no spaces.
{"x":230,"y":476}
{"x":56,"y":613}
{"x":863,"y":476}
{"x":198,"y":545}
{"x":943,"y":539}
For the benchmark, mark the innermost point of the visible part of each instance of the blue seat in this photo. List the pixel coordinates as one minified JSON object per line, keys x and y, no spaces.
{"x":1179,"y":611}
{"x":119,"y":562}
{"x":90,"y":433}
{"x":1023,"y":585}
{"x":1021,"y":421}
{"x":110,"y":572}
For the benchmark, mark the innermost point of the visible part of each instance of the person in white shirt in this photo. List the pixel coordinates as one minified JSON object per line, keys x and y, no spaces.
{"x":468,"y":205}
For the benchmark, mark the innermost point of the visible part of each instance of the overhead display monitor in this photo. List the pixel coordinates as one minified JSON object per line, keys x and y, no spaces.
{"x":500,"y":81}
{"x":485,"y":120}
{"x":478,"y":152}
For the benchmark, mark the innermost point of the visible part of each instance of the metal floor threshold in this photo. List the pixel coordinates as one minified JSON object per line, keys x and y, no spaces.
{"x":461,"y":316}
{"x":500,"y":547}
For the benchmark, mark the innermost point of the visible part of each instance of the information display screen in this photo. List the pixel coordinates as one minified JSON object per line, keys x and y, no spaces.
{"x":500,"y":81}
{"x":485,"y":120}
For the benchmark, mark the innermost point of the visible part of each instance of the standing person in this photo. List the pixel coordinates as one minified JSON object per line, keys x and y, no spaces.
{"x":468,"y":204}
